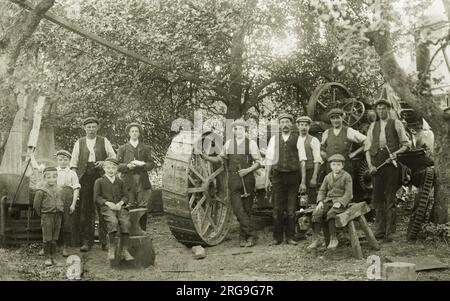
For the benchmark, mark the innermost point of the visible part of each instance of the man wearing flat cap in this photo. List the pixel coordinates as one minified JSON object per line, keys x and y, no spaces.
{"x":310,"y":148}
{"x":283,"y":159}
{"x":135,"y":160}
{"x":88,"y":155}
{"x":339,"y":139}
{"x":241,"y":157}
{"x":386,"y":138}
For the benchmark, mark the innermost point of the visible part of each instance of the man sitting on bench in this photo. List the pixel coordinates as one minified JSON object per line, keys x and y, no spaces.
{"x":333,"y":197}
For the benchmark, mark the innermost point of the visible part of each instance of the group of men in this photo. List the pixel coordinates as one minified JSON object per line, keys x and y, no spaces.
{"x":293,"y":161}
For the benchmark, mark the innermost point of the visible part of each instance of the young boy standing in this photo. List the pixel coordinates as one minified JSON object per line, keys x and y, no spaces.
{"x":333,"y":197}
{"x":68,"y":180}
{"x":49,"y":205}
{"x":110,"y":195}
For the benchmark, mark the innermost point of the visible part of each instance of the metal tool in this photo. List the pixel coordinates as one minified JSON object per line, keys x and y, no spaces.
{"x":246,"y":194}
{"x":390,"y":154}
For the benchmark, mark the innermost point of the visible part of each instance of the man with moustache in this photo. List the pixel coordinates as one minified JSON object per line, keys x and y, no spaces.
{"x":339,"y":138}
{"x":283,"y":172}
{"x":88,"y":155}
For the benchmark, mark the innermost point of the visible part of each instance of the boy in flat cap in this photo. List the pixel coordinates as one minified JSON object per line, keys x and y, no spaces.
{"x":87,"y":158}
{"x":241,"y":157}
{"x":386,"y":138}
{"x":135,"y":160}
{"x":49,"y":205}
{"x":283,"y":159}
{"x":68,"y":180}
{"x":334,"y":195}
{"x":310,"y":149}
{"x":111,"y":196}
{"x":339,"y":139}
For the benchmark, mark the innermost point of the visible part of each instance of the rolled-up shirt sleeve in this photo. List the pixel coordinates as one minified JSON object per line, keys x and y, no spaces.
{"x":369,"y":138}
{"x":109,"y":149}
{"x":270,"y":152}
{"x":74,"y":182}
{"x":75,"y":155}
{"x":355,"y":136}
{"x":254,"y":151}
{"x":315,"y":145}
{"x":301,"y":149}
{"x":401,"y":132}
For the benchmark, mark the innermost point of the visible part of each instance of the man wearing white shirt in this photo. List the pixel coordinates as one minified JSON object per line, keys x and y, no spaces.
{"x":339,"y":139}
{"x":241,"y":157}
{"x":386,"y":138}
{"x":310,"y":149}
{"x":87,"y":158}
{"x":283,"y":167}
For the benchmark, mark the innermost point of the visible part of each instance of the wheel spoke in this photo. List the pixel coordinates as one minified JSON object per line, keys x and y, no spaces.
{"x":199,"y":203}
{"x":195,"y":189}
{"x":195,"y":171}
{"x":216,"y":173}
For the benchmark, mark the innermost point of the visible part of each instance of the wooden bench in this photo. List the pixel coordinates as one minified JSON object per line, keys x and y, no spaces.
{"x":355,"y":212}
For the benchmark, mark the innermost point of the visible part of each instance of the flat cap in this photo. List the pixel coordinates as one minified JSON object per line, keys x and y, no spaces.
{"x":239,"y":122}
{"x":63,"y":152}
{"x":335,"y":111}
{"x":336,"y":158}
{"x":90,"y":119}
{"x":112,"y":160}
{"x":286,"y":115}
{"x":49,"y":168}
{"x":383,"y":102}
{"x":304,"y":119}
{"x":134,"y":124}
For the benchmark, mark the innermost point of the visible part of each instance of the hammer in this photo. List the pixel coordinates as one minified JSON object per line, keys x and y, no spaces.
{"x":393,"y":161}
{"x":246,"y":194}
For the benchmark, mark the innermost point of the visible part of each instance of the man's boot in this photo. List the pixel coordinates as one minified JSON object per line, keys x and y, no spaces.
{"x":316,"y":237}
{"x":333,"y":236}
{"x":85,"y":246}
{"x":112,"y":246}
{"x":47,"y":253}
{"x":125,"y":253}
{"x":67,"y":239}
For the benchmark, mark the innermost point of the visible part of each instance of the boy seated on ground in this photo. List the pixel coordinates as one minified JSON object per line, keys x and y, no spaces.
{"x":49,"y":205}
{"x":110,"y":194}
{"x":333,"y":197}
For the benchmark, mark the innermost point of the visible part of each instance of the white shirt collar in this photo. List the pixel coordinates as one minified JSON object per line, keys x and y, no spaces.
{"x":134,"y":143}
{"x":111,"y":179}
{"x":285,"y":136}
{"x":62,"y":169}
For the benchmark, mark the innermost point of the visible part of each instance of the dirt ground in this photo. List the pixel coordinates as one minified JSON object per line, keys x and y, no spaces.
{"x":174,"y":261}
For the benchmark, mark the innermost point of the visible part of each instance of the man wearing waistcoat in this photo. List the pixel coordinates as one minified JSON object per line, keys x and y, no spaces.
{"x":310,"y":147}
{"x":385,"y":139}
{"x":241,"y":157}
{"x":339,"y":139}
{"x":283,"y":171}
{"x":87,"y":158}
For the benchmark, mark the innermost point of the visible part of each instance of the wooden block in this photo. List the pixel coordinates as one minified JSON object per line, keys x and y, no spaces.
{"x":141,"y":248}
{"x":399,"y":271}
{"x":356,"y":247}
{"x":373,"y":243}
{"x":199,"y":252}
{"x":354,"y":211}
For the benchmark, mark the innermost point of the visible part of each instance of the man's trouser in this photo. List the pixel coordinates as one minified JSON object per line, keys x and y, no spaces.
{"x":385,"y":185}
{"x":285,"y":191}
{"x":311,"y":191}
{"x":242,"y":206}
{"x":88,"y":208}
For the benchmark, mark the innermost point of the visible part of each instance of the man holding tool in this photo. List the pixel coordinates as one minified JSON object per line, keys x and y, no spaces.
{"x":386,"y":138}
{"x":241,"y":157}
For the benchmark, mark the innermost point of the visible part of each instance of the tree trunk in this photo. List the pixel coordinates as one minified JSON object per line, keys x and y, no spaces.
{"x":396,"y":77}
{"x":11,"y":46}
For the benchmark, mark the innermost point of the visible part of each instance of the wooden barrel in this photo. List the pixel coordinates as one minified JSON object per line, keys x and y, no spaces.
{"x":195,"y":193}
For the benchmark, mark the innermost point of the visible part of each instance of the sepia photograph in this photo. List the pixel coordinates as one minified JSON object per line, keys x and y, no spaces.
{"x":224,"y":146}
